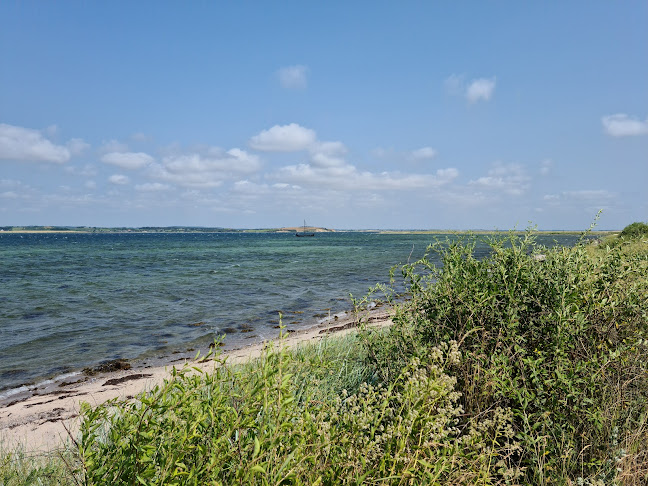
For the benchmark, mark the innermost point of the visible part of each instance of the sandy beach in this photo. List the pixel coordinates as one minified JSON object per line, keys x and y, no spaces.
{"x":41,"y":423}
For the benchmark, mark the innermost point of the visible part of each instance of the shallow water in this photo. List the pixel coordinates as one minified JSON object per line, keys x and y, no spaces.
{"x":76,"y":300}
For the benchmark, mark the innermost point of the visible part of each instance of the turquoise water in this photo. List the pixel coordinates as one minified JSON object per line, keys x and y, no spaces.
{"x":76,"y":300}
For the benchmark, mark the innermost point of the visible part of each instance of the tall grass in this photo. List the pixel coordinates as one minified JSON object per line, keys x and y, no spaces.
{"x":19,"y":468}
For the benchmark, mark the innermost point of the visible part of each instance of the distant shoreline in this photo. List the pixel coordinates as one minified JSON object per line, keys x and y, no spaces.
{"x":283,"y":230}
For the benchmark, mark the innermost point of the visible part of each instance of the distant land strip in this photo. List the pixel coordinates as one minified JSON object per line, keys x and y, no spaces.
{"x":292,"y":229}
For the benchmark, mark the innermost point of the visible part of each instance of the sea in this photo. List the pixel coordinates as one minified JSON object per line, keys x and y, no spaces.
{"x":70,"y":301}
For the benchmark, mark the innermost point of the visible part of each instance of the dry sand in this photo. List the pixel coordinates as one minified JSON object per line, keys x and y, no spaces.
{"x":41,"y":423}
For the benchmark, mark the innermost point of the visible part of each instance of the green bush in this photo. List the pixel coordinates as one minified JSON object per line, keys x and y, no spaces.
{"x":558,"y":336}
{"x":258,"y":425}
{"x":635,"y":230}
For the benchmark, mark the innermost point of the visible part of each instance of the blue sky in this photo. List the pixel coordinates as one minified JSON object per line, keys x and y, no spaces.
{"x":347,"y":114}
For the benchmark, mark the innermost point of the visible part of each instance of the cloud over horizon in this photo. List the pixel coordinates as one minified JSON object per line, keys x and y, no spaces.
{"x":283,"y":138}
{"x":622,"y":125}
{"x":206,"y":169}
{"x":507,"y":178}
{"x":27,"y":144}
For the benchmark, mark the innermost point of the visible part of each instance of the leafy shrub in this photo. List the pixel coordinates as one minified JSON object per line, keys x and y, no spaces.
{"x":635,"y":230}
{"x":556,"y":335}
{"x":257,"y":425}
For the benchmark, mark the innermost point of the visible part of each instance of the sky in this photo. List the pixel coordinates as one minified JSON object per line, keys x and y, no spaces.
{"x":349,"y":115}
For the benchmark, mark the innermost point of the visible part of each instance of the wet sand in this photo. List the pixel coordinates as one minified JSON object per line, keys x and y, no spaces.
{"x":41,"y":423}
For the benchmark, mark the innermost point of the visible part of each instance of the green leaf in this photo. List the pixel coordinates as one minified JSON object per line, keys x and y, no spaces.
{"x":257,"y":447}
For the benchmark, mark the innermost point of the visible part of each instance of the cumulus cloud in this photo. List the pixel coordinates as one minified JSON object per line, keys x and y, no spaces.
{"x":293,"y":77}
{"x":119,"y":179}
{"x":128,"y":160}
{"x":328,"y":168}
{"x":622,"y":125}
{"x":283,"y":138}
{"x":424,"y":153}
{"x":26,"y":144}
{"x":205,"y":169}
{"x":507,"y":178}
{"x":480,"y":89}
{"x":348,"y":177}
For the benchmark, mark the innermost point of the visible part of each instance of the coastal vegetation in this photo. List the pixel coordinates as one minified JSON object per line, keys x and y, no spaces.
{"x":635,"y":230}
{"x":527,"y":366}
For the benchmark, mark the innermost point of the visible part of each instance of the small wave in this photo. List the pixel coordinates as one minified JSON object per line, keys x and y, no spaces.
{"x":41,"y":385}
{"x":15,"y":391}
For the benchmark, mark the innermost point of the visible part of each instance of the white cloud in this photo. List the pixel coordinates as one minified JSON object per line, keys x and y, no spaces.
{"x":283,"y":138}
{"x":424,"y":153}
{"x":480,"y":89}
{"x":474,"y":91}
{"x":128,"y":160}
{"x":328,"y":168}
{"x":622,"y":125}
{"x":90,"y":185}
{"x":152,"y":187}
{"x":26,"y":144}
{"x":206,"y":169}
{"x":119,"y":179}
{"x":347,"y":177}
{"x":510,"y":179}
{"x":293,"y":77}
